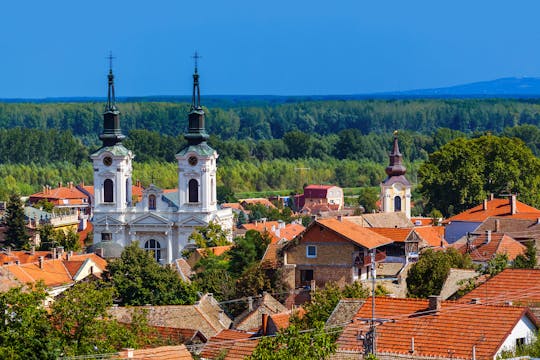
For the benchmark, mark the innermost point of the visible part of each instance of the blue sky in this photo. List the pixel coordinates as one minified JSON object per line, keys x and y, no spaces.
{"x":295,"y":47}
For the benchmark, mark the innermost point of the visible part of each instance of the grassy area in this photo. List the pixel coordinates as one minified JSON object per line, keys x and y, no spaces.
{"x":262,"y":194}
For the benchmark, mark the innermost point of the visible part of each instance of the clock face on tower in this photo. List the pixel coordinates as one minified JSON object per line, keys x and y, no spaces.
{"x":107,"y":161}
{"x":192,"y":160}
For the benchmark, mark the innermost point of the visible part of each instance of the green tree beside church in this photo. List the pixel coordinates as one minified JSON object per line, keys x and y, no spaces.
{"x":16,"y":235}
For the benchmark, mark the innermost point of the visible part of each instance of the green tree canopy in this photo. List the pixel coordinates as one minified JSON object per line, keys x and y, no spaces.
{"x":527,"y":260}
{"x":210,"y":235}
{"x":464,"y":171}
{"x":140,"y":280}
{"x":16,"y":234}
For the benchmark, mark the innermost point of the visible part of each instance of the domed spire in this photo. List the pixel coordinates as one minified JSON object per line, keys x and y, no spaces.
{"x":395,"y":168}
{"x":196,"y":131}
{"x":112,"y":134}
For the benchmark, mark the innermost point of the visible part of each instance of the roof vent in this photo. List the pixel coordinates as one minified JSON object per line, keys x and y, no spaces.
{"x":476,"y":301}
{"x":435,"y":304}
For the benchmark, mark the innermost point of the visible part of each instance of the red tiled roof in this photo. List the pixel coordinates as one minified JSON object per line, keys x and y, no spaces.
{"x":225,"y":341}
{"x":83,"y":234}
{"x":520,"y":286}
{"x":432,"y":235}
{"x":290,"y":231}
{"x":236,"y":206}
{"x":496,"y":207}
{"x":281,"y":321}
{"x":455,"y":329}
{"x":481,"y":250}
{"x":178,"y":352}
{"x":59,"y":193}
{"x":261,"y":201}
{"x":395,"y":234}
{"x":422,"y":221}
{"x":261,"y":226}
{"x":270,"y":257}
{"x":216,"y":250}
{"x":355,"y":233}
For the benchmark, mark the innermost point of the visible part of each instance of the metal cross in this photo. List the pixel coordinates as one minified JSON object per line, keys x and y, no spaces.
{"x":196,"y":56}
{"x":110,"y":57}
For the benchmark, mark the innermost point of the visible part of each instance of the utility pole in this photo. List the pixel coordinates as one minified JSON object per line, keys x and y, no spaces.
{"x":372,"y":325}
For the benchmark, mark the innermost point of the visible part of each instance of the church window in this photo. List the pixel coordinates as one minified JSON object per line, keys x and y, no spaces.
{"x":106,"y":236}
{"x":108,"y":191}
{"x":397,"y":203}
{"x":213,"y":189}
{"x":193,"y":186}
{"x":154,"y":247}
{"x":152,"y":202}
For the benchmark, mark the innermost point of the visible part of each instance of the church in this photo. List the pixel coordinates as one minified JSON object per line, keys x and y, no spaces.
{"x":164,"y":219}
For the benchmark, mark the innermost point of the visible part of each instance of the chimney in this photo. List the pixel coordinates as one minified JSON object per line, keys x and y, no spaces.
{"x":33,"y":250}
{"x":491,"y":196}
{"x":59,"y":251}
{"x":485,"y":205}
{"x":250,"y":303}
{"x":59,"y":184}
{"x":340,"y":218}
{"x":8,"y":250}
{"x":69,"y":255}
{"x":513,"y":209}
{"x":264,"y":323}
{"x":18,"y":262}
{"x":488,"y":236}
{"x":41,"y":261}
{"x":54,"y":253}
{"x":435,"y":304}
{"x":129,"y":352}
{"x":498,"y":225}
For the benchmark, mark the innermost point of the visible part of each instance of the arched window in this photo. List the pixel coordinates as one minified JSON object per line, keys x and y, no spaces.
{"x":155,"y":247}
{"x":193,"y":186}
{"x":108,"y":191}
{"x":397,"y":203}
{"x":213,"y":190}
{"x":152,"y":202}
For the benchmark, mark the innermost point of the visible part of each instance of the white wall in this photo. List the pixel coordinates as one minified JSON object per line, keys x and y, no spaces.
{"x":523,"y":329}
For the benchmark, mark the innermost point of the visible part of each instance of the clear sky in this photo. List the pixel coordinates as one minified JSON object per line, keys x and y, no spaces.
{"x":279,"y":47}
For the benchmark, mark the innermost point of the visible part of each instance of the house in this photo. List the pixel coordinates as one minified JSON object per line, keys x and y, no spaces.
{"x":252,"y":318}
{"x":230,"y":345}
{"x":205,"y":316}
{"x":201,"y":253}
{"x":278,"y":229}
{"x":422,"y":328}
{"x":329,"y":195}
{"x":178,"y":352}
{"x":511,"y":286}
{"x":405,"y":245}
{"x":484,"y":247}
{"x":382,"y":220}
{"x":331,"y":250}
{"x":70,"y":198}
{"x":459,"y":225}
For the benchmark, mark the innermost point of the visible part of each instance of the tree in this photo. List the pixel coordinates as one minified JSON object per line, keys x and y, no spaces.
{"x":527,"y":260}
{"x":367,"y":198}
{"x":16,"y":234}
{"x":427,"y":276}
{"x":140,"y":280}
{"x":496,"y":264}
{"x":461,"y":173}
{"x":213,"y":276}
{"x":292,"y":344}
{"x":225,"y":194}
{"x":248,"y":250}
{"x":210,"y":235}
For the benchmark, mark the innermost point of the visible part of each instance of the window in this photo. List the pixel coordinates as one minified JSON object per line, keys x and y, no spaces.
{"x":152,"y":202}
{"x":106,"y":236}
{"x":155,"y":247}
{"x":520,"y":342}
{"x":193,"y":187}
{"x":311,"y":251}
{"x":306,"y":276}
{"x":397,"y":203}
{"x":108,"y":191}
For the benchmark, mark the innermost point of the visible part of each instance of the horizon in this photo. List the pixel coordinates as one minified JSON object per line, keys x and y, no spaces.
{"x":59,"y":49}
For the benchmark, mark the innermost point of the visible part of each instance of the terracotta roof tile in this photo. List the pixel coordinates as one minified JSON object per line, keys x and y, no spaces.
{"x":178,"y":352}
{"x":520,"y":286}
{"x":355,"y":233}
{"x":236,"y":206}
{"x":261,"y":226}
{"x":482,"y":250}
{"x":395,"y":234}
{"x":216,"y":250}
{"x":485,"y":326}
{"x":255,"y":201}
{"x":224,"y":341}
{"x":496,"y":207}
{"x":60,"y":193}
{"x":432,"y":235}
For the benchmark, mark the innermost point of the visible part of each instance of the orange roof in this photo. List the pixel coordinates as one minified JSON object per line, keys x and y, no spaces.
{"x":23,"y":256}
{"x":216,"y":250}
{"x":62,"y":192}
{"x":355,"y":233}
{"x":236,"y":206}
{"x":261,"y":226}
{"x":281,"y":321}
{"x":482,"y":250}
{"x":396,"y":234}
{"x":226,"y":340}
{"x":178,"y":352}
{"x":496,"y":207}
{"x":519,"y":286}
{"x":432,"y":235}
{"x":270,"y":258}
{"x":422,"y":221}
{"x":83,"y":234}
{"x":261,"y":201}
{"x":290,"y":231}
{"x":436,"y":335}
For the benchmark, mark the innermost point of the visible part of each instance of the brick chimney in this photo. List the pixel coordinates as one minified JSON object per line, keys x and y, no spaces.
{"x":485,"y":205}
{"x":54,"y":254}
{"x":513,"y":209}
{"x":435,"y":304}
{"x":497,"y":225}
{"x":488,"y":236}
{"x":41,"y":261}
{"x":491,"y":196}
{"x":69,"y":255}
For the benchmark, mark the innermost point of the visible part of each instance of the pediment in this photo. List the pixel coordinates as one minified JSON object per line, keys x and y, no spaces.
{"x":150,"y":219}
{"x":107,"y":220}
{"x":192,"y":221}
{"x":152,"y":189}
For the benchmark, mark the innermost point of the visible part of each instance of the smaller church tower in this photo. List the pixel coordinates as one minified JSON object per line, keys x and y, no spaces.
{"x":112,"y":163}
{"x":197,"y":162}
{"x":396,"y":189}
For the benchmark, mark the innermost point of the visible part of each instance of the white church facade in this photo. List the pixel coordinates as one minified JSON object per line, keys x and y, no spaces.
{"x":162,"y":220}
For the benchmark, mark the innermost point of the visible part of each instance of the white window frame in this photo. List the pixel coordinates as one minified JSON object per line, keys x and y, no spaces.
{"x":308,"y":255}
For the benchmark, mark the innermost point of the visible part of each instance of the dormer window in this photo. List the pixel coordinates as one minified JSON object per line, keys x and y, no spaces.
{"x":152,"y":202}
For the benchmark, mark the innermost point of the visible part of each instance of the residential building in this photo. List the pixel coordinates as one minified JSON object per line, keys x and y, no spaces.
{"x":316,"y":195}
{"x":396,"y":189}
{"x":177,"y":352}
{"x":423,"y":328}
{"x":230,"y":345}
{"x":331,"y":250}
{"x":252,"y":318}
{"x":162,"y":221}
{"x":485,"y":246}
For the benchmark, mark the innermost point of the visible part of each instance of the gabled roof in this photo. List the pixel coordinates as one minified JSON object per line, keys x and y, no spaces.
{"x":496,"y":207}
{"x":455,"y":329}
{"x":395,"y":234}
{"x":282,"y":320}
{"x":261,"y":226}
{"x":433,"y":236}
{"x":480,"y":249}
{"x":385,"y":220}
{"x":262,"y":201}
{"x":344,"y":312}
{"x":59,"y":193}
{"x":519,"y":286}
{"x":266,"y":304}
{"x":352,"y":232}
{"x":290,"y":231}
{"x":224,"y":341}
{"x":236,"y":206}
{"x":178,"y":352}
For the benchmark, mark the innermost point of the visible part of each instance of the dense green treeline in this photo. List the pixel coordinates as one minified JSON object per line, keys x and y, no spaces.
{"x":274,"y":121}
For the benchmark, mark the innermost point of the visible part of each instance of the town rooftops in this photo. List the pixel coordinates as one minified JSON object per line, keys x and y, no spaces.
{"x":433,"y":236}
{"x":483,"y":247}
{"x":509,"y":207}
{"x":396,"y":234}
{"x":178,"y":352}
{"x":436,"y":328}
{"x":384,"y":220}
{"x":233,"y":344}
{"x":353,"y":232}
{"x":317,"y":191}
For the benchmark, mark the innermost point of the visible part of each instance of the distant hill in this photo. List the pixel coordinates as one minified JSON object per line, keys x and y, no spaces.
{"x":509,"y":87}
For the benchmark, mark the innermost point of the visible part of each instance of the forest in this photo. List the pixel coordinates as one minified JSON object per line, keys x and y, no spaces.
{"x":267,"y":146}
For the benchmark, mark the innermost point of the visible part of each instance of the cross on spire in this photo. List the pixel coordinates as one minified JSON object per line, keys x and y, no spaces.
{"x":196,"y":57}
{"x":110,"y":57}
